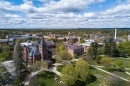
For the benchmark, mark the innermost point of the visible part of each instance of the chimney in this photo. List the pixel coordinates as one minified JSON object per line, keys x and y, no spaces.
{"x":115,"y":33}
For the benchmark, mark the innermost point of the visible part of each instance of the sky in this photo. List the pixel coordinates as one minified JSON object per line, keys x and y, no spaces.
{"x":64,"y":14}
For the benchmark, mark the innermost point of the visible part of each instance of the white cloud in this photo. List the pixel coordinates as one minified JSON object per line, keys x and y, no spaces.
{"x":119,"y":8}
{"x":92,"y":14}
{"x":62,"y":14}
{"x":45,"y":0}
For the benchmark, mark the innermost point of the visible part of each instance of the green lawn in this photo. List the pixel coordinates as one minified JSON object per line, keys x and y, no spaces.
{"x":122,"y":74}
{"x":126,"y":62}
{"x":128,"y":71}
{"x":101,"y":81}
{"x":59,"y":68}
{"x":91,"y":62}
{"x":119,"y":73}
{"x":2,"y":69}
{"x":46,"y":79}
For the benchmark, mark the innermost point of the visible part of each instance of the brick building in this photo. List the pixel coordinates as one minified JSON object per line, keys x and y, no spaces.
{"x":41,"y":50}
{"x":74,"y":49}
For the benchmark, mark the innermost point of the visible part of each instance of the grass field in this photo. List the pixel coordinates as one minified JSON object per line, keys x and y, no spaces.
{"x":101,"y":81}
{"x":59,"y":68}
{"x":126,"y":62}
{"x":46,"y":79}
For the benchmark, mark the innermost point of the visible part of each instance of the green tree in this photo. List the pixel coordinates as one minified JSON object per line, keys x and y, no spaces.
{"x":107,"y":49}
{"x":110,"y":47}
{"x":68,"y":74}
{"x":71,"y":41}
{"x":17,"y":82}
{"x":65,"y":55}
{"x":98,"y":59}
{"x":18,"y":63}
{"x":125,"y":37}
{"x":100,"y":51}
{"x":93,"y":50}
{"x":62,"y":48}
{"x":106,"y":61}
{"x":76,"y":56}
{"x":118,"y":64}
{"x":82,"y":41}
{"x":58,"y":58}
{"x":82,"y":69}
{"x":37,"y":81}
{"x":38,"y":65}
{"x":122,"y":50}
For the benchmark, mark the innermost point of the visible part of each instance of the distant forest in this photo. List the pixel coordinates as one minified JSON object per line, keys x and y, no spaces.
{"x":77,"y":32}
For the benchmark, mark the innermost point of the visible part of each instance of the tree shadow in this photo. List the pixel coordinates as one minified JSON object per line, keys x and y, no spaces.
{"x":80,"y":83}
{"x":91,"y":79}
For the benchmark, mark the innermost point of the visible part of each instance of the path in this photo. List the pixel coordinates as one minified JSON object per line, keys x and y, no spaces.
{"x":111,"y":67}
{"x":53,"y":69}
{"x":110,"y":73}
{"x":121,"y":58}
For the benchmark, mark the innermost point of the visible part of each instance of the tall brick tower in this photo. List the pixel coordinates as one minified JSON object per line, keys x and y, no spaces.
{"x":42,"y":48}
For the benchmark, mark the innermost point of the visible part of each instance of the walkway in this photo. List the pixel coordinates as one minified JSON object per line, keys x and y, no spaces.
{"x":96,"y":66}
{"x":53,"y":69}
{"x":110,"y":73}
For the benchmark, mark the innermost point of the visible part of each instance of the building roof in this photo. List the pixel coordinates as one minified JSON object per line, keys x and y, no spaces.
{"x":49,"y":43}
{"x":6,"y":40}
{"x":86,"y":44}
{"x":33,"y":51}
{"x":73,"y":47}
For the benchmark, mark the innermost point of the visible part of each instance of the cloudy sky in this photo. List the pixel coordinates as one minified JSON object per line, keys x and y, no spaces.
{"x":64,"y":13}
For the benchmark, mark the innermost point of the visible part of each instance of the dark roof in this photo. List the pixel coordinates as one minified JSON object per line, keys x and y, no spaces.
{"x":49,"y":43}
{"x":33,"y":51}
{"x":73,"y":47}
{"x":43,"y":41}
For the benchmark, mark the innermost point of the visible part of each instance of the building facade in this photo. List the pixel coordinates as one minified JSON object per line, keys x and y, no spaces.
{"x":74,"y":49}
{"x":37,"y":51}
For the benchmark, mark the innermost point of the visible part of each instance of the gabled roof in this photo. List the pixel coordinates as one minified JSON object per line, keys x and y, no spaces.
{"x":73,"y":47}
{"x":34,"y":51}
{"x":49,"y":43}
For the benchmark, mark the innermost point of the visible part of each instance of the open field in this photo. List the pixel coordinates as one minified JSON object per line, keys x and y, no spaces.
{"x":46,"y":79}
{"x":125,"y":61}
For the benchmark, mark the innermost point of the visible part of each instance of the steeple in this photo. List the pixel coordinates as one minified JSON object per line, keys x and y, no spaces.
{"x":42,"y":48}
{"x":43,"y":41}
